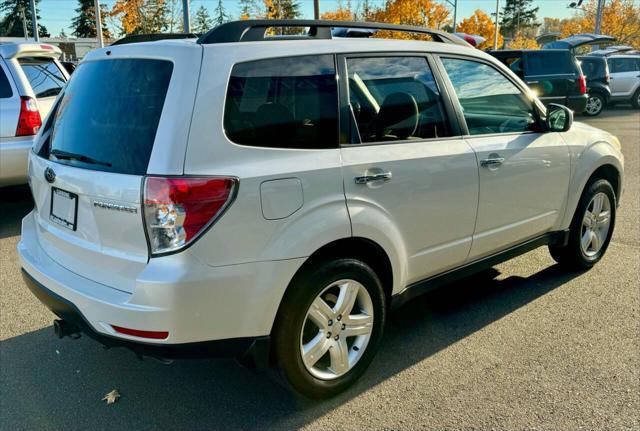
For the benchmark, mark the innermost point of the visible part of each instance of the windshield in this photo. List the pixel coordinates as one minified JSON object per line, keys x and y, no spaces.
{"x":108,"y":115}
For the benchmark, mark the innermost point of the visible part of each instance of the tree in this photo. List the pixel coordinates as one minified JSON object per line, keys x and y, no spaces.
{"x":620,"y":19}
{"x":481,"y":24}
{"x":550,"y":25}
{"x":421,"y":13}
{"x":11,"y":24}
{"x":141,"y":16}
{"x":203,"y":22}
{"x":84,"y":23}
{"x":250,"y":9}
{"x":220,"y":15}
{"x":521,"y":41}
{"x":282,"y":9}
{"x":62,"y":34}
{"x":518,"y":16}
{"x":341,"y":13}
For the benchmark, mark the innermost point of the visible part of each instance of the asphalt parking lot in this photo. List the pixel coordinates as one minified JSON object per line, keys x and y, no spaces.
{"x":522,"y":346}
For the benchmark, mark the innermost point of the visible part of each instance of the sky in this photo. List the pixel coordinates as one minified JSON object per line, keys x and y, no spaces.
{"x":57,"y":14}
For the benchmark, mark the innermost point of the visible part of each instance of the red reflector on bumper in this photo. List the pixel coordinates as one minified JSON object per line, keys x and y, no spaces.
{"x":156,"y":335}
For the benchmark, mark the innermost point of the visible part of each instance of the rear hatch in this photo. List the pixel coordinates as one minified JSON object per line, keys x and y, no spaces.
{"x":553,"y":75}
{"x":123,"y":115}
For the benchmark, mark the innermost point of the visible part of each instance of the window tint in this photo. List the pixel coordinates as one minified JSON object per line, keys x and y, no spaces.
{"x":490,"y":102}
{"x":549,"y":63}
{"x":43,"y":75}
{"x":5,"y":86}
{"x":514,"y":63}
{"x":110,"y":113}
{"x":283,"y":102}
{"x":625,"y":65}
{"x":394,"y":99}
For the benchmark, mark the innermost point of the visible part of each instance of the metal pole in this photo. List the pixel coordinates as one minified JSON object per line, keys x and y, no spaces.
{"x":316,"y":9}
{"x":24,"y":23}
{"x":599,"y":16}
{"x":34,"y":21}
{"x":99,"y":24}
{"x":455,"y":15}
{"x":495,"y":33}
{"x":186,"y":17}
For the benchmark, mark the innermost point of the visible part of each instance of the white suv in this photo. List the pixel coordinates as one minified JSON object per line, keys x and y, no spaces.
{"x":273,"y":197}
{"x":30,"y":80}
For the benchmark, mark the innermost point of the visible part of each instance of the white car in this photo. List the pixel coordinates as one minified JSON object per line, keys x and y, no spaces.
{"x":30,"y":80}
{"x":274,"y":197}
{"x":625,"y":78}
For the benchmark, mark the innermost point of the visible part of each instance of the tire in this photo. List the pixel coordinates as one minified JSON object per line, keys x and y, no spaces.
{"x":577,"y":255}
{"x":636,"y":99}
{"x":295,"y":327}
{"x":595,"y":105}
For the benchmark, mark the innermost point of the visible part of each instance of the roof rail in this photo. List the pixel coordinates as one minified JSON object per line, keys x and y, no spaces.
{"x":253,"y":30}
{"x":135,"y":38}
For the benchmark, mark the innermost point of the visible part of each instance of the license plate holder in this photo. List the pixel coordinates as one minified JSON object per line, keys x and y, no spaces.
{"x":64,"y":208}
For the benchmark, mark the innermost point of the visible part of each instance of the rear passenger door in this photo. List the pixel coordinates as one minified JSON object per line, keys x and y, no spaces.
{"x":409,"y":177}
{"x":625,"y":75}
{"x":524,"y":172}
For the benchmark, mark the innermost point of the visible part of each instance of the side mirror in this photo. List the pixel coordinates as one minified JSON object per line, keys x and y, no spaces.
{"x":559,"y":118}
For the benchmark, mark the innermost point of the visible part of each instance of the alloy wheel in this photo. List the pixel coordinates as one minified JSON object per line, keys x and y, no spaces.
{"x":336,"y":329}
{"x":595,"y":225}
{"x":594,"y":105}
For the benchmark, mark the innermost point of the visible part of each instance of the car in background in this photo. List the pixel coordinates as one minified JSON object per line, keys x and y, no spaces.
{"x":553,"y":74}
{"x":625,"y":78}
{"x":596,"y":70}
{"x":30,"y":79}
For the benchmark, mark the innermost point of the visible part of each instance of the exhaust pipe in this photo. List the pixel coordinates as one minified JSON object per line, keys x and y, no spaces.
{"x":62,"y":329}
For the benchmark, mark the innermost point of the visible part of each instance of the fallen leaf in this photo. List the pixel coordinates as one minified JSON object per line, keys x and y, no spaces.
{"x":112,"y":396}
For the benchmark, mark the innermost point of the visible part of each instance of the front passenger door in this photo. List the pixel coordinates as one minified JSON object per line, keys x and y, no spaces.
{"x":524,"y":172}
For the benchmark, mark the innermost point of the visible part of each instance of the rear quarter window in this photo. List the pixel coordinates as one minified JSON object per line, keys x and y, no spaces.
{"x":109,"y":113}
{"x":43,"y":75}
{"x":283,"y":102}
{"x":550,"y":63}
{"x":5,"y":85}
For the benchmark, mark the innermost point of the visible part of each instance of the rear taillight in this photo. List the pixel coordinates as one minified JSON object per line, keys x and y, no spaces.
{"x":607,"y":78}
{"x":29,"y":121}
{"x":178,"y":210}
{"x":582,"y":84}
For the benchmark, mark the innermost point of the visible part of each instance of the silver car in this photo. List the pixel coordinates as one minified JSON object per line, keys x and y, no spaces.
{"x":625,"y":78}
{"x":30,"y":80}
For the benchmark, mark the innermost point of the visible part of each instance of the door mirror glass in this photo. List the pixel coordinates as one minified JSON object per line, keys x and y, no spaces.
{"x":559,"y":118}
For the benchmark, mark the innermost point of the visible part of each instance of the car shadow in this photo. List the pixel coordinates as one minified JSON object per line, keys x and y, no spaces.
{"x":15,"y":203}
{"x":58,"y":384}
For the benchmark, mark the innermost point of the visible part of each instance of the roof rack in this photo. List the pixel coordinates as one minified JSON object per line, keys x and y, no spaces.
{"x":136,"y":38}
{"x":256,"y":29}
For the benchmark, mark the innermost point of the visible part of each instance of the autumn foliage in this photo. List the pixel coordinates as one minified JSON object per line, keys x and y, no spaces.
{"x":480,"y":24}
{"x":620,"y":19}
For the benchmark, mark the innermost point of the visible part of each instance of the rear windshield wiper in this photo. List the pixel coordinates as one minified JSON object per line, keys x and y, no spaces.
{"x":59,"y":154}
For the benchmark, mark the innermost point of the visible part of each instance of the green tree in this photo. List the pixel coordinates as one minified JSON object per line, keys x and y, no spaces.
{"x":220,"y":15}
{"x":203,"y":21}
{"x":250,"y":9}
{"x":282,"y":9}
{"x":11,"y":22}
{"x":156,"y":16}
{"x":518,"y":16}
{"x":84,"y":23}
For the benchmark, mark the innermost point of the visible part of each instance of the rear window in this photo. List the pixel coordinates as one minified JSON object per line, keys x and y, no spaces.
{"x":44,"y":76}
{"x":5,"y":86}
{"x":108,"y":115}
{"x":283,"y":102}
{"x":550,"y":63}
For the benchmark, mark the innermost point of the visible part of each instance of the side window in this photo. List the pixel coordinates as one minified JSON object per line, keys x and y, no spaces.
{"x":5,"y":85}
{"x":283,"y":102}
{"x":490,"y":102}
{"x":395,"y":99}
{"x":514,"y":63}
{"x":43,"y":75}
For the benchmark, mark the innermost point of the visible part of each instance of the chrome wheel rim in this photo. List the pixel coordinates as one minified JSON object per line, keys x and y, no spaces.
{"x":594,"y":105}
{"x":595,"y":225}
{"x":336,"y":329}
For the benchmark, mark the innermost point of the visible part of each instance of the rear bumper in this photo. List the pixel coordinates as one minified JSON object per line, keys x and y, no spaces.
{"x":577,"y":103}
{"x":14,"y":154}
{"x":252,"y":350}
{"x":193,"y":302}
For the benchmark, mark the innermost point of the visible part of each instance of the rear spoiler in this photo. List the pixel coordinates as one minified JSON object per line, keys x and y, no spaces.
{"x":19,"y":50}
